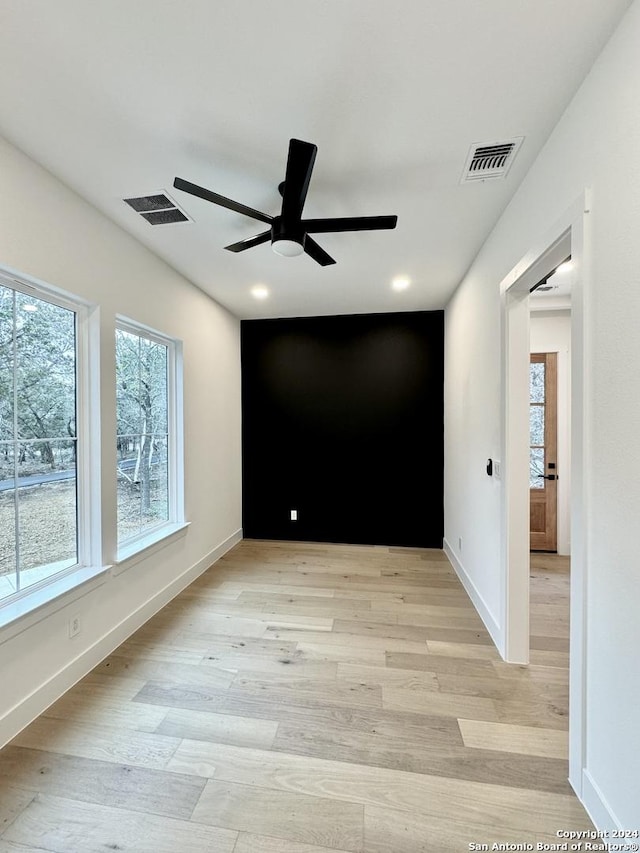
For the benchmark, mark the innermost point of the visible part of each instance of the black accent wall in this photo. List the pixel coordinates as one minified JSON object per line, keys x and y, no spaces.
{"x":342,"y":420}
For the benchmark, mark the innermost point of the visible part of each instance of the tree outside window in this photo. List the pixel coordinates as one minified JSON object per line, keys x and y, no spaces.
{"x":38,"y":440}
{"x":142,"y":434}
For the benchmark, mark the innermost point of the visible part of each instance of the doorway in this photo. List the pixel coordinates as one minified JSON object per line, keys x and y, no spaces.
{"x":550,"y":411}
{"x":569,"y":236}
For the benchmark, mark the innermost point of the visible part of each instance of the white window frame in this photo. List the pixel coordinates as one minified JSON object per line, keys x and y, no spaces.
{"x":88,"y":523}
{"x":175,"y":443}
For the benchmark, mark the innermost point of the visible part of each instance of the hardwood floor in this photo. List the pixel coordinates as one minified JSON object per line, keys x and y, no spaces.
{"x":306,"y":698}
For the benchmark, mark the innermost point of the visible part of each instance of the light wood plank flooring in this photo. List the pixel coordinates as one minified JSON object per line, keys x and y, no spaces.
{"x":306,"y":698}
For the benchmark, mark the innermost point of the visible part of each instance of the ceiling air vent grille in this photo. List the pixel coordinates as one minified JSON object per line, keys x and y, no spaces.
{"x":158,"y":209}
{"x":490,"y":160}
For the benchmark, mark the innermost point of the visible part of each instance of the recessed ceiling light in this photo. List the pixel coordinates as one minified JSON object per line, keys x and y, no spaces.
{"x":400,"y":283}
{"x":259,"y":291}
{"x":567,"y":266}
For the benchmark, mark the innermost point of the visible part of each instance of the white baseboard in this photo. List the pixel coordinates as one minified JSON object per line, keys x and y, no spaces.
{"x":18,"y":717}
{"x":597,"y":806}
{"x":478,"y":601}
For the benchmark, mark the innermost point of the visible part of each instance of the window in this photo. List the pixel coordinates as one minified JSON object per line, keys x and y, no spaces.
{"x":146,"y":441}
{"x":50,"y":493}
{"x":39,"y":531}
{"x":536,"y":422}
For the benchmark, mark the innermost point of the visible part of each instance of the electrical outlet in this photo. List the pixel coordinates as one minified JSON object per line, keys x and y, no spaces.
{"x":459,"y":543}
{"x":294,"y":515}
{"x":74,"y":626}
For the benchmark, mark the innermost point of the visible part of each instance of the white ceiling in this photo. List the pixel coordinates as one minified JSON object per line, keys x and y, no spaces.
{"x":558,"y":297}
{"x":117,"y":97}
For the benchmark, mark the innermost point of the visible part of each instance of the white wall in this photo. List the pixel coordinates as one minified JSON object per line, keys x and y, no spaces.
{"x":596,"y":144}
{"x":550,"y":331}
{"x":48,"y":232}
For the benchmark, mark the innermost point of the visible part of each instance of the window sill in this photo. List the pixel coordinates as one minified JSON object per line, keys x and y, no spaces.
{"x":32,"y":607}
{"x":132,"y":552}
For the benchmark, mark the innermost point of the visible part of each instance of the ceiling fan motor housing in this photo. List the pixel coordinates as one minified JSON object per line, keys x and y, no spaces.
{"x":287,"y":239}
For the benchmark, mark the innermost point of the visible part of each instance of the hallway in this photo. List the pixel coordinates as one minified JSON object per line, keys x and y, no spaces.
{"x":301,"y":698}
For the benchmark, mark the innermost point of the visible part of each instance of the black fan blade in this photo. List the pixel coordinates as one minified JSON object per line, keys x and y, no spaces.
{"x":317,"y":252}
{"x":208,"y":195}
{"x":349,"y":223}
{"x":250,"y":242}
{"x":300,"y":162}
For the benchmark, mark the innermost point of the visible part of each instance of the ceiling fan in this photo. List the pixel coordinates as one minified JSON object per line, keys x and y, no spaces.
{"x":289,"y":232}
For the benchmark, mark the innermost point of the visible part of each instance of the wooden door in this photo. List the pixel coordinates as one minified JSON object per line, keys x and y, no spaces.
{"x":543,"y":471}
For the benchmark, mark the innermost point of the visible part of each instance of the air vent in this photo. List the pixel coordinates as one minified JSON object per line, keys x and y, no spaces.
{"x":164,"y":217}
{"x":490,"y":160}
{"x":158,"y":209}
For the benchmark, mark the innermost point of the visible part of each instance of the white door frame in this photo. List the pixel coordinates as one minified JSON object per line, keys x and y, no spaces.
{"x":570,"y":235}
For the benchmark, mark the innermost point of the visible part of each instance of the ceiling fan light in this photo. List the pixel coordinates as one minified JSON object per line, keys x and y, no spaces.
{"x":287,"y":248}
